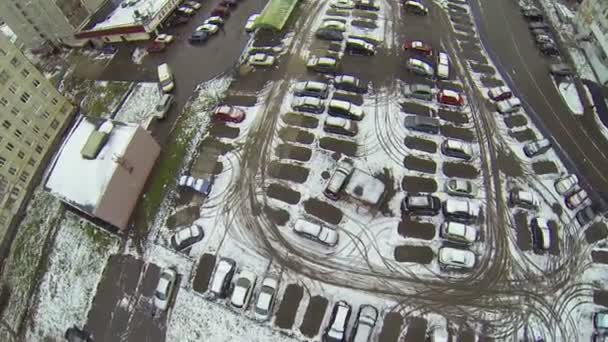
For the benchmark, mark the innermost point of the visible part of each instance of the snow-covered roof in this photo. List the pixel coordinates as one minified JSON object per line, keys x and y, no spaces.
{"x":364,"y":187}
{"x":81,"y":181}
{"x":9,"y":33}
{"x":124,"y":16}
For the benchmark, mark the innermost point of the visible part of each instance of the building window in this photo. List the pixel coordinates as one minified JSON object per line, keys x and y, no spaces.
{"x":45,"y":92}
{"x":25,"y":73}
{"x":36,"y":129}
{"x":6,"y":124}
{"x":4,"y":77}
{"x":54,"y":124}
{"x":25,"y":97}
{"x":2,"y":161}
{"x":18,"y":134}
{"x":15,"y":62}
{"x":31,"y":162}
{"x":26,"y":121}
{"x":15,"y":111}
{"x":21,"y":154}
{"x":3,"y":101}
{"x":46,"y":136}
{"x":54,"y":101}
{"x":24,"y":176}
{"x":2,"y":52}
{"x":65,"y":108}
{"x":15,"y":191}
{"x":46,"y":114}
{"x":13,"y":88}
{"x":10,"y":147}
{"x":28,"y":142}
{"x":12,"y":170}
{"x":38,"y":149}
{"x":36,"y":83}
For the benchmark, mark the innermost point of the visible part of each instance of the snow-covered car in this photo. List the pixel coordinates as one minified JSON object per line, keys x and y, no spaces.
{"x":421,"y":205}
{"x":350,"y":83}
{"x":500,"y":93}
{"x":250,"y":24}
{"x":308,"y":104}
{"x":334,"y":25}
{"x":366,"y":5}
{"x":541,"y":234}
{"x":450,"y":97}
{"x":359,"y":47}
{"x":322,"y":64}
{"x":163,"y":105}
{"x":336,"y":329}
{"x":585,"y":215}
{"x":420,"y":67}
{"x":311,"y":88}
{"x":418,"y":91}
{"x":164,"y":38}
{"x":215,"y":20}
{"x":316,"y":232}
{"x":263,"y":306}
{"x":186,"y":237}
{"x":201,"y":185}
{"x":243,"y":287}
{"x":460,"y":187}
{"x":566,"y":184}
{"x":524,"y":199}
{"x":222,"y":276}
{"x":340,"y":126}
{"x":338,"y":180}
{"x":508,"y":106}
{"x":261,"y":59}
{"x":365,"y":324}
{"x":345,"y":109}
{"x":457,"y":149}
{"x":537,"y":147}
{"x":560,"y":69}
{"x":211,"y":29}
{"x":458,"y":232}
{"x":415,"y":7}
{"x":456,"y":258}
{"x":342,"y":4}
{"x":229,"y":114}
{"x":192,"y":4}
{"x":164,"y":288}
{"x":577,"y":199}
{"x":460,"y":210}
{"x":422,"y":123}
{"x":419,"y":47}
{"x":443,"y":65}
{"x":185,"y":10}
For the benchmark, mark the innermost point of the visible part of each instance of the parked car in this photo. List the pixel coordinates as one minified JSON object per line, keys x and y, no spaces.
{"x":600,"y":321}
{"x":356,"y":46}
{"x":221,"y":11}
{"x":211,"y":29}
{"x":250,"y":25}
{"x":164,"y":288}
{"x":453,"y":258}
{"x":427,"y":205}
{"x":201,"y":185}
{"x":541,"y":234}
{"x":243,"y":287}
{"x":185,"y":11}
{"x":229,"y":113}
{"x":419,"y":47}
{"x":263,"y":306}
{"x":322,"y":64}
{"x":443,"y":65}
{"x":350,"y":83}
{"x":345,"y":109}
{"x":422,"y":123}
{"x":549,"y":49}
{"x":308,"y":104}
{"x":457,"y":149}
{"x":585,"y":215}
{"x":458,"y":232}
{"x":311,"y":88}
{"x":543,"y":39}
{"x":342,"y":4}
{"x":419,"y":67}
{"x":524,"y":199}
{"x":500,"y":93}
{"x":340,"y":126}
{"x":460,"y":210}
{"x":261,"y":59}
{"x":566,"y":185}
{"x":186,"y":237}
{"x":192,"y":4}
{"x":332,"y":24}
{"x":508,"y":106}
{"x":329,"y":34}
{"x":156,"y":47}
{"x":215,"y":20}
{"x":536,"y":147}
{"x":577,"y":199}
{"x":336,"y":329}
{"x":366,"y":5}
{"x":460,"y":187}
{"x":538,"y":25}
{"x":533,"y":14}
{"x":316,"y":232}
{"x":364,"y":325}
{"x":198,"y":37}
{"x":415,"y":7}
{"x":560,"y":69}
{"x":164,"y":38}
{"x":176,"y":20}
{"x":419,"y":91}
{"x":229,"y":3}
{"x":338,"y":180}
{"x":222,"y":276}
{"x":540,"y":31}
{"x":450,"y":97}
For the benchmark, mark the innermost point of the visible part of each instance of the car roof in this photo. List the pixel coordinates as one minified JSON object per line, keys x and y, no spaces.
{"x":419,"y":200}
{"x":341,"y":104}
{"x":307,"y":227}
{"x":456,"y":205}
{"x":525,"y":196}
{"x":450,"y":93}
{"x":336,"y":121}
{"x":458,"y":256}
{"x":455,"y":144}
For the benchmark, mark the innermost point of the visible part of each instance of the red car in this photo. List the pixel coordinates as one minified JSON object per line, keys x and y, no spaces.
{"x":418,"y":46}
{"x":450,"y":97}
{"x":229,"y":114}
{"x":156,"y":47}
{"x":228,"y":3}
{"x":500,"y":93}
{"x":221,"y":11}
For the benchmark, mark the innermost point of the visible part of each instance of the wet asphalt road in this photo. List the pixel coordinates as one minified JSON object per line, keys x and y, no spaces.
{"x":504,"y":32}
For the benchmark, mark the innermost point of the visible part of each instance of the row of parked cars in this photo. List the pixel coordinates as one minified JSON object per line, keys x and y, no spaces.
{"x":540,"y":30}
{"x":575,"y":198}
{"x":420,"y":62}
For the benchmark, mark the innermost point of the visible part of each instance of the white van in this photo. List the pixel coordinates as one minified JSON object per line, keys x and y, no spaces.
{"x":165,"y":78}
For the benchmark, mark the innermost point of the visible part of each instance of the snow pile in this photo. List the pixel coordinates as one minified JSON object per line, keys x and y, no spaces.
{"x":570,"y":95}
{"x":75,"y":267}
{"x":139,"y":104}
{"x":138,"y":55}
{"x":582,"y":65}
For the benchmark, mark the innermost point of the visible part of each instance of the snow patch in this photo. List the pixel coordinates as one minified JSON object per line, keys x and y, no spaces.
{"x":138,"y":55}
{"x":570,"y":95}
{"x":139,"y":104}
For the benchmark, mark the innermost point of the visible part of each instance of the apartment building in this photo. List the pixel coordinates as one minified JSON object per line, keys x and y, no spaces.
{"x":592,"y":31}
{"x":33,"y":114}
{"x":38,"y":21}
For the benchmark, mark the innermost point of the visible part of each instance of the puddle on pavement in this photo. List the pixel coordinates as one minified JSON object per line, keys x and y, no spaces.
{"x":460,"y":133}
{"x":240,"y":100}
{"x":420,"y":144}
{"x":419,"y":230}
{"x":221,"y":130}
{"x":348,"y":148}
{"x":296,"y":135}
{"x":290,"y":172}
{"x":391,"y":327}
{"x":419,"y":164}
{"x":509,"y":163}
{"x":488,"y":81}
{"x":278,"y":216}
{"x":286,"y":151}
{"x":282,"y":193}
{"x":600,"y":257}
{"x":482,"y":68}
{"x":523,"y":135}
{"x":418,"y":184}
{"x":416,"y":330}
{"x":417,"y":254}
{"x":323,"y":210}
{"x":350,"y":97}
{"x":305,"y":121}
{"x":460,"y":170}
{"x":453,"y":117}
{"x":289,"y":306}
{"x":515,"y":120}
{"x":183,"y":217}
{"x":415,"y":108}
{"x":524,"y":237}
{"x":313,"y":316}
{"x":596,"y":232}
{"x":544,"y":167}
{"x":203,"y":273}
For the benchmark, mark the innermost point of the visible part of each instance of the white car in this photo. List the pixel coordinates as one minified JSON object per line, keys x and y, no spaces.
{"x":338,"y":321}
{"x":340,"y":126}
{"x":215,"y":20}
{"x":537,"y":147}
{"x":342,"y":4}
{"x":316,"y":232}
{"x":443,"y":65}
{"x":250,"y":25}
{"x":164,"y":38}
{"x":261,"y":59}
{"x":508,"y":106}
{"x":457,"y":149}
{"x":243,"y":287}
{"x":419,"y":67}
{"x":461,"y":210}
{"x":334,"y":25}
{"x":577,"y":199}
{"x":209,"y":28}
{"x":566,"y":185}
{"x":524,"y":199}
{"x":192,"y":4}
{"x":185,"y":10}
{"x":263,"y":306}
{"x":456,"y":258}
{"x":458,"y":232}
{"x":365,"y":324}
{"x":460,"y":187}
{"x":165,"y":288}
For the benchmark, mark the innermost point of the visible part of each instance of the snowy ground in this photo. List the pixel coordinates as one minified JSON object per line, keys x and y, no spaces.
{"x":570,"y":95}
{"x":140,"y":103}
{"x":75,"y":267}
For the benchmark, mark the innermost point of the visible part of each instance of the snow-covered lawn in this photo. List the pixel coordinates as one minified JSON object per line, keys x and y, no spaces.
{"x":75,"y":267}
{"x":582,"y":64}
{"x":139,"y":104}
{"x":570,"y":95}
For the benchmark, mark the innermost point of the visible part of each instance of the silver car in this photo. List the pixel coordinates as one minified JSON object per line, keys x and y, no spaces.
{"x":165,"y":288}
{"x":419,"y":91}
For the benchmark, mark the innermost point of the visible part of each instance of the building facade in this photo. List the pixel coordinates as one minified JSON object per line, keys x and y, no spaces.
{"x":33,"y":114}
{"x":592,"y":31}
{"x":38,"y":21}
